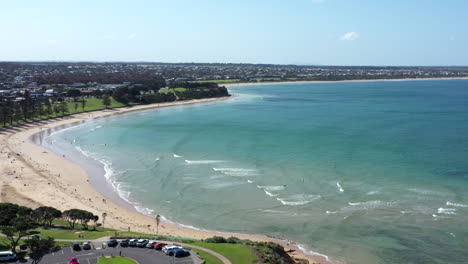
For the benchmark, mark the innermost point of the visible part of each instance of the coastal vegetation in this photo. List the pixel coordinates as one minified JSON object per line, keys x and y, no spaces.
{"x":28,"y":108}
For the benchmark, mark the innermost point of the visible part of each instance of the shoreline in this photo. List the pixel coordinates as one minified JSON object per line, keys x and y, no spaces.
{"x":36,"y":175}
{"x":341,"y":81}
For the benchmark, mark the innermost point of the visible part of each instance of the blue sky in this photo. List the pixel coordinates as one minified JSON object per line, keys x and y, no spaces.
{"x":322,"y":32}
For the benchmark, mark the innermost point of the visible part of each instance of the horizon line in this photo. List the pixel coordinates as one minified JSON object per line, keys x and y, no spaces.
{"x":227,"y":63}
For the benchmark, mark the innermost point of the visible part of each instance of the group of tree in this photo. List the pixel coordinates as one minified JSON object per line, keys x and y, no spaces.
{"x":83,"y":217}
{"x":30,"y":109}
{"x":141,"y":94}
{"x":16,"y":221}
{"x":199,"y":93}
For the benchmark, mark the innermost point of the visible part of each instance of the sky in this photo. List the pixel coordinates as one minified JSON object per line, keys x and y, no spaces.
{"x":312,"y":32}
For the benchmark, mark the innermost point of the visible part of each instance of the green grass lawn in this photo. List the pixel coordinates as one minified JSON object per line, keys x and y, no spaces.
{"x":171,"y":90}
{"x":209,"y":259}
{"x":116,"y":260}
{"x":92,"y":104}
{"x":236,"y":253}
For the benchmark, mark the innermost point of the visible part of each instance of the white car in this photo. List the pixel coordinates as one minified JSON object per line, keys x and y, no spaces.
{"x":151,"y":243}
{"x":7,"y":255}
{"x":169,"y":247}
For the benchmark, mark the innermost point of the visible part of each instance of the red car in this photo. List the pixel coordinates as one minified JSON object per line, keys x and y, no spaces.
{"x":74,"y":261}
{"x":159,"y":246}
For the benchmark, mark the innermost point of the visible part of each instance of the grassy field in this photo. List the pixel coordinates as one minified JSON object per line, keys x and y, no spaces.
{"x":92,"y":104}
{"x":236,"y":253}
{"x":116,"y":260}
{"x":171,"y":90}
{"x":209,"y":259}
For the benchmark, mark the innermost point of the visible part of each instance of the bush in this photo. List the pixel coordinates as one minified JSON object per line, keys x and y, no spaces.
{"x":216,"y":239}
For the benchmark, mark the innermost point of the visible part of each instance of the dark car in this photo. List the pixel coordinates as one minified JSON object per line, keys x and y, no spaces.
{"x":180,"y":253}
{"x":86,"y":246}
{"x":76,"y":246}
{"x":124,"y":242}
{"x":159,"y":246}
{"x":112,"y":243}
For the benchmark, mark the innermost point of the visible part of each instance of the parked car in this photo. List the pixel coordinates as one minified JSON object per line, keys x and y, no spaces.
{"x":132,"y":242}
{"x":76,"y":246}
{"x":180,"y":252}
{"x":170,"y":251}
{"x":124,"y":242}
{"x":112,"y":243}
{"x":159,"y":246}
{"x":7,"y":256}
{"x":74,"y":261}
{"x":151,"y":243}
{"x":86,"y":246}
{"x":142,"y":242}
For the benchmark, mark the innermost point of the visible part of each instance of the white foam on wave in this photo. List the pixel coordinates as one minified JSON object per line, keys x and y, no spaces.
{"x":339,"y":187}
{"x":237,"y":172}
{"x":368,"y":205}
{"x":299,"y":199}
{"x":249,"y":181}
{"x":456,"y":204}
{"x":372,"y":192}
{"x":270,"y":194}
{"x":272,"y":187}
{"x":157,"y":159}
{"x":447,"y":211}
{"x":309,"y":252}
{"x":331,"y":212}
{"x":177,"y":156}
{"x":198,"y":162}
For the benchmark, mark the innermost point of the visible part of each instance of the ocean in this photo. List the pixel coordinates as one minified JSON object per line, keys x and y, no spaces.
{"x":366,"y":172}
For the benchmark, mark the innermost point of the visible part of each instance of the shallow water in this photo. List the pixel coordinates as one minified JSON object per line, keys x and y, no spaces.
{"x":369,"y":172}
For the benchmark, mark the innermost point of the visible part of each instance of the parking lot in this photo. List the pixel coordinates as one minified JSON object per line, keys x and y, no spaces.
{"x":141,"y":255}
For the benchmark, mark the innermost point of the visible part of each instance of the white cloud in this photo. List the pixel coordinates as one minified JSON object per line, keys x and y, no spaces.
{"x":132,"y":36}
{"x":350,"y":36}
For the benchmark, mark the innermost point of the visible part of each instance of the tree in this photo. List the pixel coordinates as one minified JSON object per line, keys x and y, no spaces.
{"x":103,"y":218}
{"x":158,"y":219}
{"x":76,"y":107}
{"x":95,"y":220}
{"x":85,"y":217}
{"x":45,"y":215}
{"x":106,"y":101}
{"x":64,"y":107}
{"x":16,"y":231}
{"x":83,"y":104}
{"x":73,"y":93}
{"x":72,"y":216}
{"x":39,"y":247}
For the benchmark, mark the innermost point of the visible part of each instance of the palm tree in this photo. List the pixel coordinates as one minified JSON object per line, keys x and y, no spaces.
{"x":158,"y":219}
{"x":103,"y":218}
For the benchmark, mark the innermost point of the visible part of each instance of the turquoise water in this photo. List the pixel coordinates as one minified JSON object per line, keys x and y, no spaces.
{"x":369,"y":172}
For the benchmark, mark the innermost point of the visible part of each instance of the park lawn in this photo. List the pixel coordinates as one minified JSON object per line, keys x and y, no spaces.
{"x":171,"y":90}
{"x":116,"y":260}
{"x":236,"y":253}
{"x":72,"y":234}
{"x":207,"y":257}
{"x":92,"y":104}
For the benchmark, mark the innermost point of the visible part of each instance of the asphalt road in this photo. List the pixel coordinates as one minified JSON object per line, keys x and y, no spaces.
{"x":141,"y":255}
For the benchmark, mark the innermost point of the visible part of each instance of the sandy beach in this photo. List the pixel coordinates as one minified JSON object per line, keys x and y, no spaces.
{"x":364,"y":80}
{"x":32,"y":176}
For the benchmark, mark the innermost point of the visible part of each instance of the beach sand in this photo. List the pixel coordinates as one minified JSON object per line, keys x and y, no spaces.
{"x":32,"y":175}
